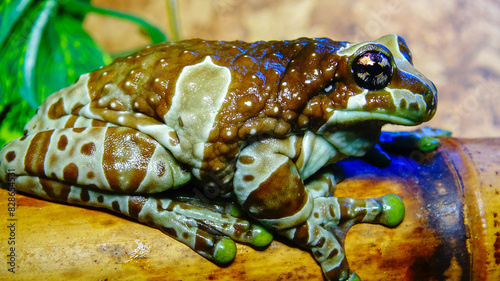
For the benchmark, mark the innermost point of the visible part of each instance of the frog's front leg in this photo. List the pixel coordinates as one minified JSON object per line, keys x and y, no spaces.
{"x":208,"y":233}
{"x":269,"y":184}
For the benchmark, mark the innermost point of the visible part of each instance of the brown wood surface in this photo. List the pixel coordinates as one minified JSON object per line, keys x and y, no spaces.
{"x":451,"y":231}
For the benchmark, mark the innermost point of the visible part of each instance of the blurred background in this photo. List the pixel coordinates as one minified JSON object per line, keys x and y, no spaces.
{"x":456,"y":44}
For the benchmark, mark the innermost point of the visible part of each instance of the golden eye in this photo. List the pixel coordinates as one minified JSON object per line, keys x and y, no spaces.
{"x":372,"y":70}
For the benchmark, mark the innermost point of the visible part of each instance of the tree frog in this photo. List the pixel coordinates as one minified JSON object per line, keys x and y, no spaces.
{"x":258,"y":124}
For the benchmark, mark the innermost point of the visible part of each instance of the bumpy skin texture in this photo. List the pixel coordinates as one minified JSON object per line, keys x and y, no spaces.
{"x":257,"y":123}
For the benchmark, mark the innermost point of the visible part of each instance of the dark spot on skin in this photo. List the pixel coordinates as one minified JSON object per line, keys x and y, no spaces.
{"x":62,"y":143}
{"x":332,"y":212}
{"x":34,"y":159}
{"x":414,"y":106}
{"x":135,"y":204}
{"x":379,"y":101}
{"x":76,"y":108}
{"x":301,"y":235}
{"x":333,"y":253}
{"x":70,"y":173}
{"x":181,"y":123}
{"x":281,"y":195}
{"x":10,"y":156}
{"x":316,"y":215}
{"x":88,"y":149}
{"x":497,"y":248}
{"x":100,"y":198}
{"x":56,"y":110}
{"x":160,"y":169}
{"x":185,"y":235}
{"x":320,"y":242}
{"x":71,"y":121}
{"x":85,"y":195}
{"x":174,"y":139}
{"x":55,"y":190}
{"x":248,"y":178}
{"x":98,"y":123}
{"x":247,"y":160}
{"x":402,"y":104}
{"x":90,"y":175}
{"x":122,"y":145}
{"x":78,"y":130}
{"x":169,"y":230}
{"x":335,"y":272}
{"x":116,"y":206}
{"x":240,"y":227}
{"x":201,"y":243}
{"x":23,"y":137}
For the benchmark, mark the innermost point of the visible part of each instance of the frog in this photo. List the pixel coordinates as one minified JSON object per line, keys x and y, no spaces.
{"x":257,"y":126}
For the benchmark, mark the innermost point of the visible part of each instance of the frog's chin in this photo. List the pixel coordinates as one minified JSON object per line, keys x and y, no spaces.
{"x":352,"y":117}
{"x":353,"y":133}
{"x":353,"y":139}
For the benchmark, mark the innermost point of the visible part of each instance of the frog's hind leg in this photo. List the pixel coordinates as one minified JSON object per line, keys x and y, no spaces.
{"x":110,"y":158}
{"x":325,"y":231}
{"x":202,"y":230}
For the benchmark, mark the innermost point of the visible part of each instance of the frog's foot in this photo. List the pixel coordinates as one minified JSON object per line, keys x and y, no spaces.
{"x":209,"y":233}
{"x":325,"y":231}
{"x":423,"y":139}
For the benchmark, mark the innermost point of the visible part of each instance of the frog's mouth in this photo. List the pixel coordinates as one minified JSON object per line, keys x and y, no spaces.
{"x":353,"y":116}
{"x":395,"y":106}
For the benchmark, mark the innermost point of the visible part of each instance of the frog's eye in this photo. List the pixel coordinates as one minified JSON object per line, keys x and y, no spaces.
{"x":372,"y":70}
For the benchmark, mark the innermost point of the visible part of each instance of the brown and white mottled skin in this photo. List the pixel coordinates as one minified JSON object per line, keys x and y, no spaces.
{"x":259,"y":122}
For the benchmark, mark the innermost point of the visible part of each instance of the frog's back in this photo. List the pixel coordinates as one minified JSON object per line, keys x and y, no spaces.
{"x":200,"y":99}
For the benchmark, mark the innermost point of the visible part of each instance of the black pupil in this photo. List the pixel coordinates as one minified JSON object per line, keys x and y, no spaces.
{"x":372,"y":70}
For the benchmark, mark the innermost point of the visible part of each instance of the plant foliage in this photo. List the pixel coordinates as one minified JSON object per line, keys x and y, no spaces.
{"x":43,"y":48}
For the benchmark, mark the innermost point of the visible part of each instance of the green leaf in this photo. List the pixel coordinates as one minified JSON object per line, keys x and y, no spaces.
{"x":27,"y":89}
{"x":68,"y":51}
{"x":45,"y":52}
{"x":10,"y":12}
{"x":47,"y":49}
{"x":15,"y":110}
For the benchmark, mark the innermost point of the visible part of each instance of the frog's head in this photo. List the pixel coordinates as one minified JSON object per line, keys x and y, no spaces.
{"x":375,"y":83}
{"x":380,"y":83}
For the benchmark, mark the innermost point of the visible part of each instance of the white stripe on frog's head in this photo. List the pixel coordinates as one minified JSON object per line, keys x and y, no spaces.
{"x":391,"y":89}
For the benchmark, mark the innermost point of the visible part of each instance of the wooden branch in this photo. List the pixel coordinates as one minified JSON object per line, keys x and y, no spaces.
{"x":451,"y":231}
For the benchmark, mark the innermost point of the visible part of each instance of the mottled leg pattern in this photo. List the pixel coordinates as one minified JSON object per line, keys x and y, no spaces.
{"x":323,"y":183}
{"x":278,"y":184}
{"x":325,"y":231}
{"x":209,"y":233}
{"x":109,"y":158}
{"x":107,"y":176}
